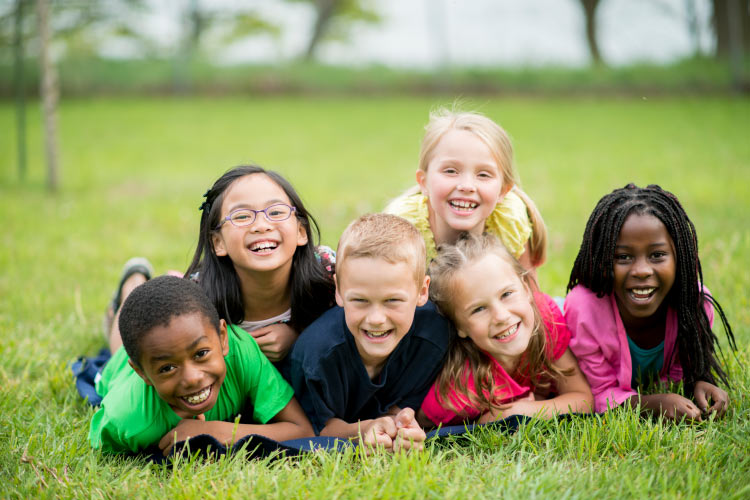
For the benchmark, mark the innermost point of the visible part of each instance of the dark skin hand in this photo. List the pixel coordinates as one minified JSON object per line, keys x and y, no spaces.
{"x":708,"y":399}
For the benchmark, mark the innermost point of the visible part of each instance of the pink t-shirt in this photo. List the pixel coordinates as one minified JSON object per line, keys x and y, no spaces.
{"x":600,"y":343}
{"x":508,"y":388}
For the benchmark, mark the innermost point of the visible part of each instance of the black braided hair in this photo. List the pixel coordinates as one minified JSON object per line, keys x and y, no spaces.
{"x":593,"y":268}
{"x":312,"y":288}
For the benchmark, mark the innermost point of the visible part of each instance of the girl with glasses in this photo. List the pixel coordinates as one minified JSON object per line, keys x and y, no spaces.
{"x":256,"y":259}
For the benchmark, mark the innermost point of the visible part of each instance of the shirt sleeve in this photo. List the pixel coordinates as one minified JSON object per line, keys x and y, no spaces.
{"x":440,"y":413}
{"x":558,"y":334}
{"x":510,"y":222}
{"x":262,"y":383}
{"x":600,"y":373}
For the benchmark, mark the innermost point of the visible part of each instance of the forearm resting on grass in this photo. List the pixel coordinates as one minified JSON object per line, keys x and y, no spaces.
{"x":574,"y":396}
{"x":708,"y":398}
{"x":289,"y":423}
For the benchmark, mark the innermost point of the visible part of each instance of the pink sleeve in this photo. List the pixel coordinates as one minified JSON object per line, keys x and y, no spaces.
{"x":558,"y":334}
{"x":588,"y":333}
{"x":436,"y":412}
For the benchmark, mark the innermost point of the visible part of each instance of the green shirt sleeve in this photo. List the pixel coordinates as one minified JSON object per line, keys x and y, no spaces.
{"x":252,"y":379}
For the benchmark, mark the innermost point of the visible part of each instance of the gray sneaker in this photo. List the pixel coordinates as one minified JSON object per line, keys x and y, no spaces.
{"x":132,"y":266}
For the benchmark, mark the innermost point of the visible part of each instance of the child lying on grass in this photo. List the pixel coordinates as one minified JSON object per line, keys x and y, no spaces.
{"x":180,"y":374}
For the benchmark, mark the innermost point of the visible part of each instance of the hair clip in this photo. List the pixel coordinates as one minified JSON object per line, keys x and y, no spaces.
{"x":206,"y":205}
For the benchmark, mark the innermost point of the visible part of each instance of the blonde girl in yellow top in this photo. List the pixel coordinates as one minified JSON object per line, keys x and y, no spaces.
{"x":467,"y":183}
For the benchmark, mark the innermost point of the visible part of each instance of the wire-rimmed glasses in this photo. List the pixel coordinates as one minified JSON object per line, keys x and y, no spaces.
{"x":242,"y":217}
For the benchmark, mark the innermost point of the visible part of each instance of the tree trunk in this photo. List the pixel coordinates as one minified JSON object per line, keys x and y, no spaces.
{"x":50,"y":92}
{"x":324,"y":12}
{"x":589,"y":11}
{"x":20,"y":92}
{"x":728,"y":25}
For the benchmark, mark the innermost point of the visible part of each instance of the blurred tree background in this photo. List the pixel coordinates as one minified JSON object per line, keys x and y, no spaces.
{"x":117,"y":47}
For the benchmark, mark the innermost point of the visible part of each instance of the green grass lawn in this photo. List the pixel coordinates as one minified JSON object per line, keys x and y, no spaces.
{"x":133,"y":172}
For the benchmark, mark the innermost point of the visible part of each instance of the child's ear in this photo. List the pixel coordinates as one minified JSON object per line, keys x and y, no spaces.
{"x":339,"y":300}
{"x":301,"y":234}
{"x":218,"y":244}
{"x":505,"y":190}
{"x":137,"y":369}
{"x":424,"y":292}
{"x":421,"y":180}
{"x":223,"y":337}
{"x":461,"y":333}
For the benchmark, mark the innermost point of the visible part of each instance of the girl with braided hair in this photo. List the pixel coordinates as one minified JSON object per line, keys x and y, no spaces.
{"x":638,"y":310}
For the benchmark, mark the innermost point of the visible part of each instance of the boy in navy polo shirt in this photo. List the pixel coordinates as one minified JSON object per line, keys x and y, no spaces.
{"x":362,"y":369}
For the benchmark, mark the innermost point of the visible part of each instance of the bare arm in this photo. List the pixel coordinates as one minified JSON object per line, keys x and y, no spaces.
{"x":672,"y":406}
{"x":574,"y":396}
{"x":290,"y":423}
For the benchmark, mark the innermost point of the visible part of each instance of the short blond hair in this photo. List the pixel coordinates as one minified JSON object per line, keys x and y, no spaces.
{"x":384,"y":236}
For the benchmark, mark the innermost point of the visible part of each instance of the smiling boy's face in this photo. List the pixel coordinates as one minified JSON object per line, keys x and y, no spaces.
{"x":379,"y":299}
{"x":184,"y":362}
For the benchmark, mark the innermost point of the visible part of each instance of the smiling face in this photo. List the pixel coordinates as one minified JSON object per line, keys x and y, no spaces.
{"x":184,"y":362}
{"x":463,"y":183}
{"x":379,"y":299}
{"x":644,"y":268}
{"x":263,"y":245}
{"x":492,"y":307}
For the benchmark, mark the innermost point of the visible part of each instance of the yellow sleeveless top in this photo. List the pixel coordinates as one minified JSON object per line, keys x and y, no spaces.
{"x":509,"y":221}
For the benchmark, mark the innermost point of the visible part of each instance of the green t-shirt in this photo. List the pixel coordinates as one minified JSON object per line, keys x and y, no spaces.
{"x":133,"y":417}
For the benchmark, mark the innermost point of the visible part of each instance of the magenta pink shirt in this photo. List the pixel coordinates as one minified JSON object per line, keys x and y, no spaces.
{"x":508,"y":388}
{"x":600,"y":343}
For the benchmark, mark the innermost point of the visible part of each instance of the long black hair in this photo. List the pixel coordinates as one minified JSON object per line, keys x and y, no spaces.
{"x":593,"y":269}
{"x":312,"y":288}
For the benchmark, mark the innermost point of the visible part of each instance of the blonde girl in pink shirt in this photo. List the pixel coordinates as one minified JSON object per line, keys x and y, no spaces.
{"x":638,"y":311}
{"x":510,"y":355}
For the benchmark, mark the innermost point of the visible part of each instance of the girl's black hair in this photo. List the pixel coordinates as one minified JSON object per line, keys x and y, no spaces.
{"x":312,"y":288}
{"x":593,"y":269}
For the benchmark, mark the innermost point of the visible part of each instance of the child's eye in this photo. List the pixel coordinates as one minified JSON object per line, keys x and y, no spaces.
{"x":507,"y":294}
{"x":478,"y":309}
{"x":486,"y":175}
{"x":166,"y":369}
{"x":622,"y":257}
{"x":449,"y":170}
{"x":394,"y":300}
{"x":658,"y":255}
{"x":202,"y":353}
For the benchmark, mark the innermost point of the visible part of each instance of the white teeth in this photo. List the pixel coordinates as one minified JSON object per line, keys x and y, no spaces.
{"x":463,"y":204}
{"x":198,"y":398}
{"x":376,"y":334}
{"x":263,"y":245}
{"x":510,"y":332}
{"x":642,"y":291}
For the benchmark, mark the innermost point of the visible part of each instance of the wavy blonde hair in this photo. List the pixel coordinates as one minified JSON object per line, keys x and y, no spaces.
{"x":497,"y":140}
{"x":535,"y":363}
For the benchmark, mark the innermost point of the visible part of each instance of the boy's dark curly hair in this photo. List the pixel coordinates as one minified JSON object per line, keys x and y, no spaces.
{"x":155,"y":303}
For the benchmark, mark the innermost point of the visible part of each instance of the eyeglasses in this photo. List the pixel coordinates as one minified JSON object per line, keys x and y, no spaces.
{"x":245,"y":216}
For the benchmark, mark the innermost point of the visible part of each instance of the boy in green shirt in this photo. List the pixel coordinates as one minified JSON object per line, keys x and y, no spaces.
{"x":180,"y":374}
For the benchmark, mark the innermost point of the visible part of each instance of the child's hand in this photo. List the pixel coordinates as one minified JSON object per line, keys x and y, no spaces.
{"x":183,"y":431}
{"x":377,"y":433}
{"x":672,"y":406}
{"x":706,"y":392}
{"x":520,"y":406}
{"x":410,"y":435}
{"x":275,"y":340}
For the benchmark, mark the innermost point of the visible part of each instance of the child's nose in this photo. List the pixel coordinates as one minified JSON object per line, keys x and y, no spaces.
{"x":641,"y":268}
{"x":191,"y":376}
{"x":375,"y":316}
{"x":500,"y":314}
{"x":260,"y":224}
{"x":466,"y":183}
